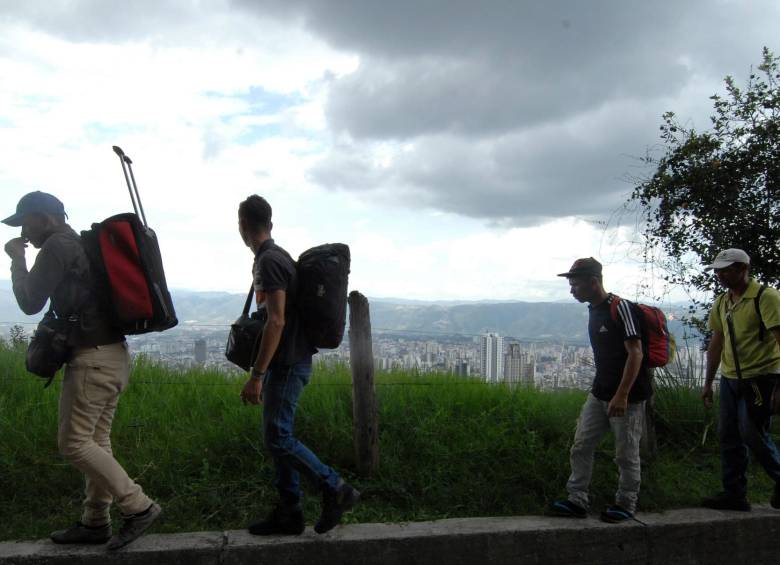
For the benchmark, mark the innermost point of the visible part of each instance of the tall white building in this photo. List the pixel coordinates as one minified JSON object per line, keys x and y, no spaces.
{"x":491,"y":356}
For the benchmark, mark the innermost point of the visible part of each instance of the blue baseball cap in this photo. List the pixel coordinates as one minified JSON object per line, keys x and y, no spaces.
{"x":35,"y":203}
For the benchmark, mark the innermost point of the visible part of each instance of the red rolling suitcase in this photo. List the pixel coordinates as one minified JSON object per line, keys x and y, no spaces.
{"x":125,"y":255}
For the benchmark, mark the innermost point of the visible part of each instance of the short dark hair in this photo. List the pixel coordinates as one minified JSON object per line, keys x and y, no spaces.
{"x":256,"y":211}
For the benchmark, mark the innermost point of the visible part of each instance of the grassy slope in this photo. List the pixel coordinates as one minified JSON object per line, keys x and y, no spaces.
{"x":447,"y":449}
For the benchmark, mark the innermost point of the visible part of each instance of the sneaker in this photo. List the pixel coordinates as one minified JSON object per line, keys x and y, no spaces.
{"x":79,"y":533}
{"x":134,"y":525}
{"x":726,"y":501}
{"x":334,"y":505}
{"x":775,"y":500}
{"x":614,"y":514}
{"x":282,"y":520}
{"x":567,"y":509}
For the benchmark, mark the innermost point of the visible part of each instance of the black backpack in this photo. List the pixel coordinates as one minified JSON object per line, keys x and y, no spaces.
{"x":323,"y":273}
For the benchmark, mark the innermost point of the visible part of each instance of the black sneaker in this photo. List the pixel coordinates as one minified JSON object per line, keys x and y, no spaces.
{"x":775,"y":500}
{"x":79,"y":533}
{"x":726,"y":501}
{"x":334,"y":505}
{"x":614,"y":514}
{"x":281,"y":521}
{"x":133,"y":526}
{"x":567,"y":509}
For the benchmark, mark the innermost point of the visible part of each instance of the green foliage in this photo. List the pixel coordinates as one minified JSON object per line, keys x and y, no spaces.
{"x":449,"y":447}
{"x":720,"y":188}
{"x":18,"y":337}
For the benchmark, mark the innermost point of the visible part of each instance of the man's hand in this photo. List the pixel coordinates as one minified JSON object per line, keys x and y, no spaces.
{"x":15,"y":248}
{"x":252,"y":393}
{"x":706,"y":395}
{"x":618,"y":405}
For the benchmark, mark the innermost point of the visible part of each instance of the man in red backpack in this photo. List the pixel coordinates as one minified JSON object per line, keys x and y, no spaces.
{"x":96,"y":371}
{"x":277,"y":378}
{"x":616,"y":401}
{"x":745,"y":345}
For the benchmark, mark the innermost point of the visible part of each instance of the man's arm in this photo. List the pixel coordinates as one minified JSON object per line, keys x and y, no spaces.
{"x":272,"y":331}
{"x":619,"y":403}
{"x":32,"y":289}
{"x":269,"y":342}
{"x":713,"y":362}
{"x":776,"y":395}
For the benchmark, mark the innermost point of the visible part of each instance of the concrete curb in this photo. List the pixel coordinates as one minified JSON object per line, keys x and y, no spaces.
{"x":695,"y":536}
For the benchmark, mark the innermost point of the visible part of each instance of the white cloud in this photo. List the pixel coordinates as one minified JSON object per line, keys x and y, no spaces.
{"x":216,"y":100}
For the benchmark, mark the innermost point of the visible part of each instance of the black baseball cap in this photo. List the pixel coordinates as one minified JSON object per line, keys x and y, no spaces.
{"x":583,"y":268}
{"x":35,"y":203}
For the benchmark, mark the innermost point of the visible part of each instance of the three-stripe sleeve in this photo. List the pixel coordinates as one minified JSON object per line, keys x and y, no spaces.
{"x":630,"y":324}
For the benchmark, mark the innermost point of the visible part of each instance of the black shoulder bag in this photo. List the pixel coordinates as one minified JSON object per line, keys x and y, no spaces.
{"x":49,"y":347}
{"x":243,"y":342}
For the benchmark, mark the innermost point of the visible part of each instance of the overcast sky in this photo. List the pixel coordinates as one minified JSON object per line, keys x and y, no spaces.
{"x":463,"y":149}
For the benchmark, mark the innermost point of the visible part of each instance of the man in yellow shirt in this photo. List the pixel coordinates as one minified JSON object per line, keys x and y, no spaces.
{"x":745,"y":325}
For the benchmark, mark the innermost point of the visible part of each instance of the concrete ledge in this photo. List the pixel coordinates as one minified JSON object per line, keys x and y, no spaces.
{"x":695,"y":536}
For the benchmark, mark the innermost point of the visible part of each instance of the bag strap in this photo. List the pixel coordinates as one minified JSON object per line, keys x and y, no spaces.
{"x":757,"y":302}
{"x":733,"y":341}
{"x":613,"y":305}
{"x":248,"y":302}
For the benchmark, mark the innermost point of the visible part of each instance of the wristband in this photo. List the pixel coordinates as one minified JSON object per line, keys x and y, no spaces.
{"x":255,"y":374}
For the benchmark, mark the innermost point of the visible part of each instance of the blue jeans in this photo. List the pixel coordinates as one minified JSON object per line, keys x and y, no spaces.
{"x":745,"y":418}
{"x":281,"y":389}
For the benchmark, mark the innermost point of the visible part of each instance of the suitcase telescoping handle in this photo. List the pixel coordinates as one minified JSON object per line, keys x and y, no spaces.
{"x":127,"y":166}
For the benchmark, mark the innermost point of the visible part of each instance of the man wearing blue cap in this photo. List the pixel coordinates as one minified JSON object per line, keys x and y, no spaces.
{"x":96,"y":371}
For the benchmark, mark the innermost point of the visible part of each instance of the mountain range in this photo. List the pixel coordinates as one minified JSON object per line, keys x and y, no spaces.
{"x":524,"y":320}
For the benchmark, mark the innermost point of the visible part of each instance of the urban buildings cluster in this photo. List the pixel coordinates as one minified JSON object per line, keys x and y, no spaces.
{"x":492,"y":358}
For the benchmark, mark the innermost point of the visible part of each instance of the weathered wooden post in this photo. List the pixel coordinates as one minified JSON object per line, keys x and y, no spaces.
{"x":364,"y":406}
{"x":649,"y":443}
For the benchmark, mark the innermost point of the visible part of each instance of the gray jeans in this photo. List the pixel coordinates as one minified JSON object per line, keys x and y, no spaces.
{"x":591,"y":427}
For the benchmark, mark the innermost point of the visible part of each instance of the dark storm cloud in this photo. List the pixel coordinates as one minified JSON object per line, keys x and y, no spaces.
{"x":515,"y":111}
{"x":512,"y":111}
{"x":519,"y":178}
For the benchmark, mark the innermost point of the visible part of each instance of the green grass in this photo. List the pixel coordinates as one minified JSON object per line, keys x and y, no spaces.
{"x":448,"y":448}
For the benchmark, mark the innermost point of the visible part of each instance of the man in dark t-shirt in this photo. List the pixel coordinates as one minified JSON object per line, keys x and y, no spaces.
{"x":617,"y":398}
{"x":280,"y":371}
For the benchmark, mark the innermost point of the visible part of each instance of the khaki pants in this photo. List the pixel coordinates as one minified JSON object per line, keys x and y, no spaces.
{"x":94,"y":378}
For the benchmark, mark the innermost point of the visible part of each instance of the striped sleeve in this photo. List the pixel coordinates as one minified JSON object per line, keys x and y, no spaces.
{"x":630,"y":323}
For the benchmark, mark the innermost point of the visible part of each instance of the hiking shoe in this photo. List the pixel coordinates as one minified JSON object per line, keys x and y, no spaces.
{"x":775,"y":500}
{"x":726,"y":501}
{"x":134,"y":525}
{"x":567,"y":509}
{"x":281,"y":521}
{"x":334,"y":504}
{"x":79,"y":533}
{"x":614,"y":514}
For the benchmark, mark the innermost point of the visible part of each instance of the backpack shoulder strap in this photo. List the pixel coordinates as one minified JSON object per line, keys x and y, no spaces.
{"x":757,"y":302}
{"x":613,"y":306}
{"x":718,"y":303}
